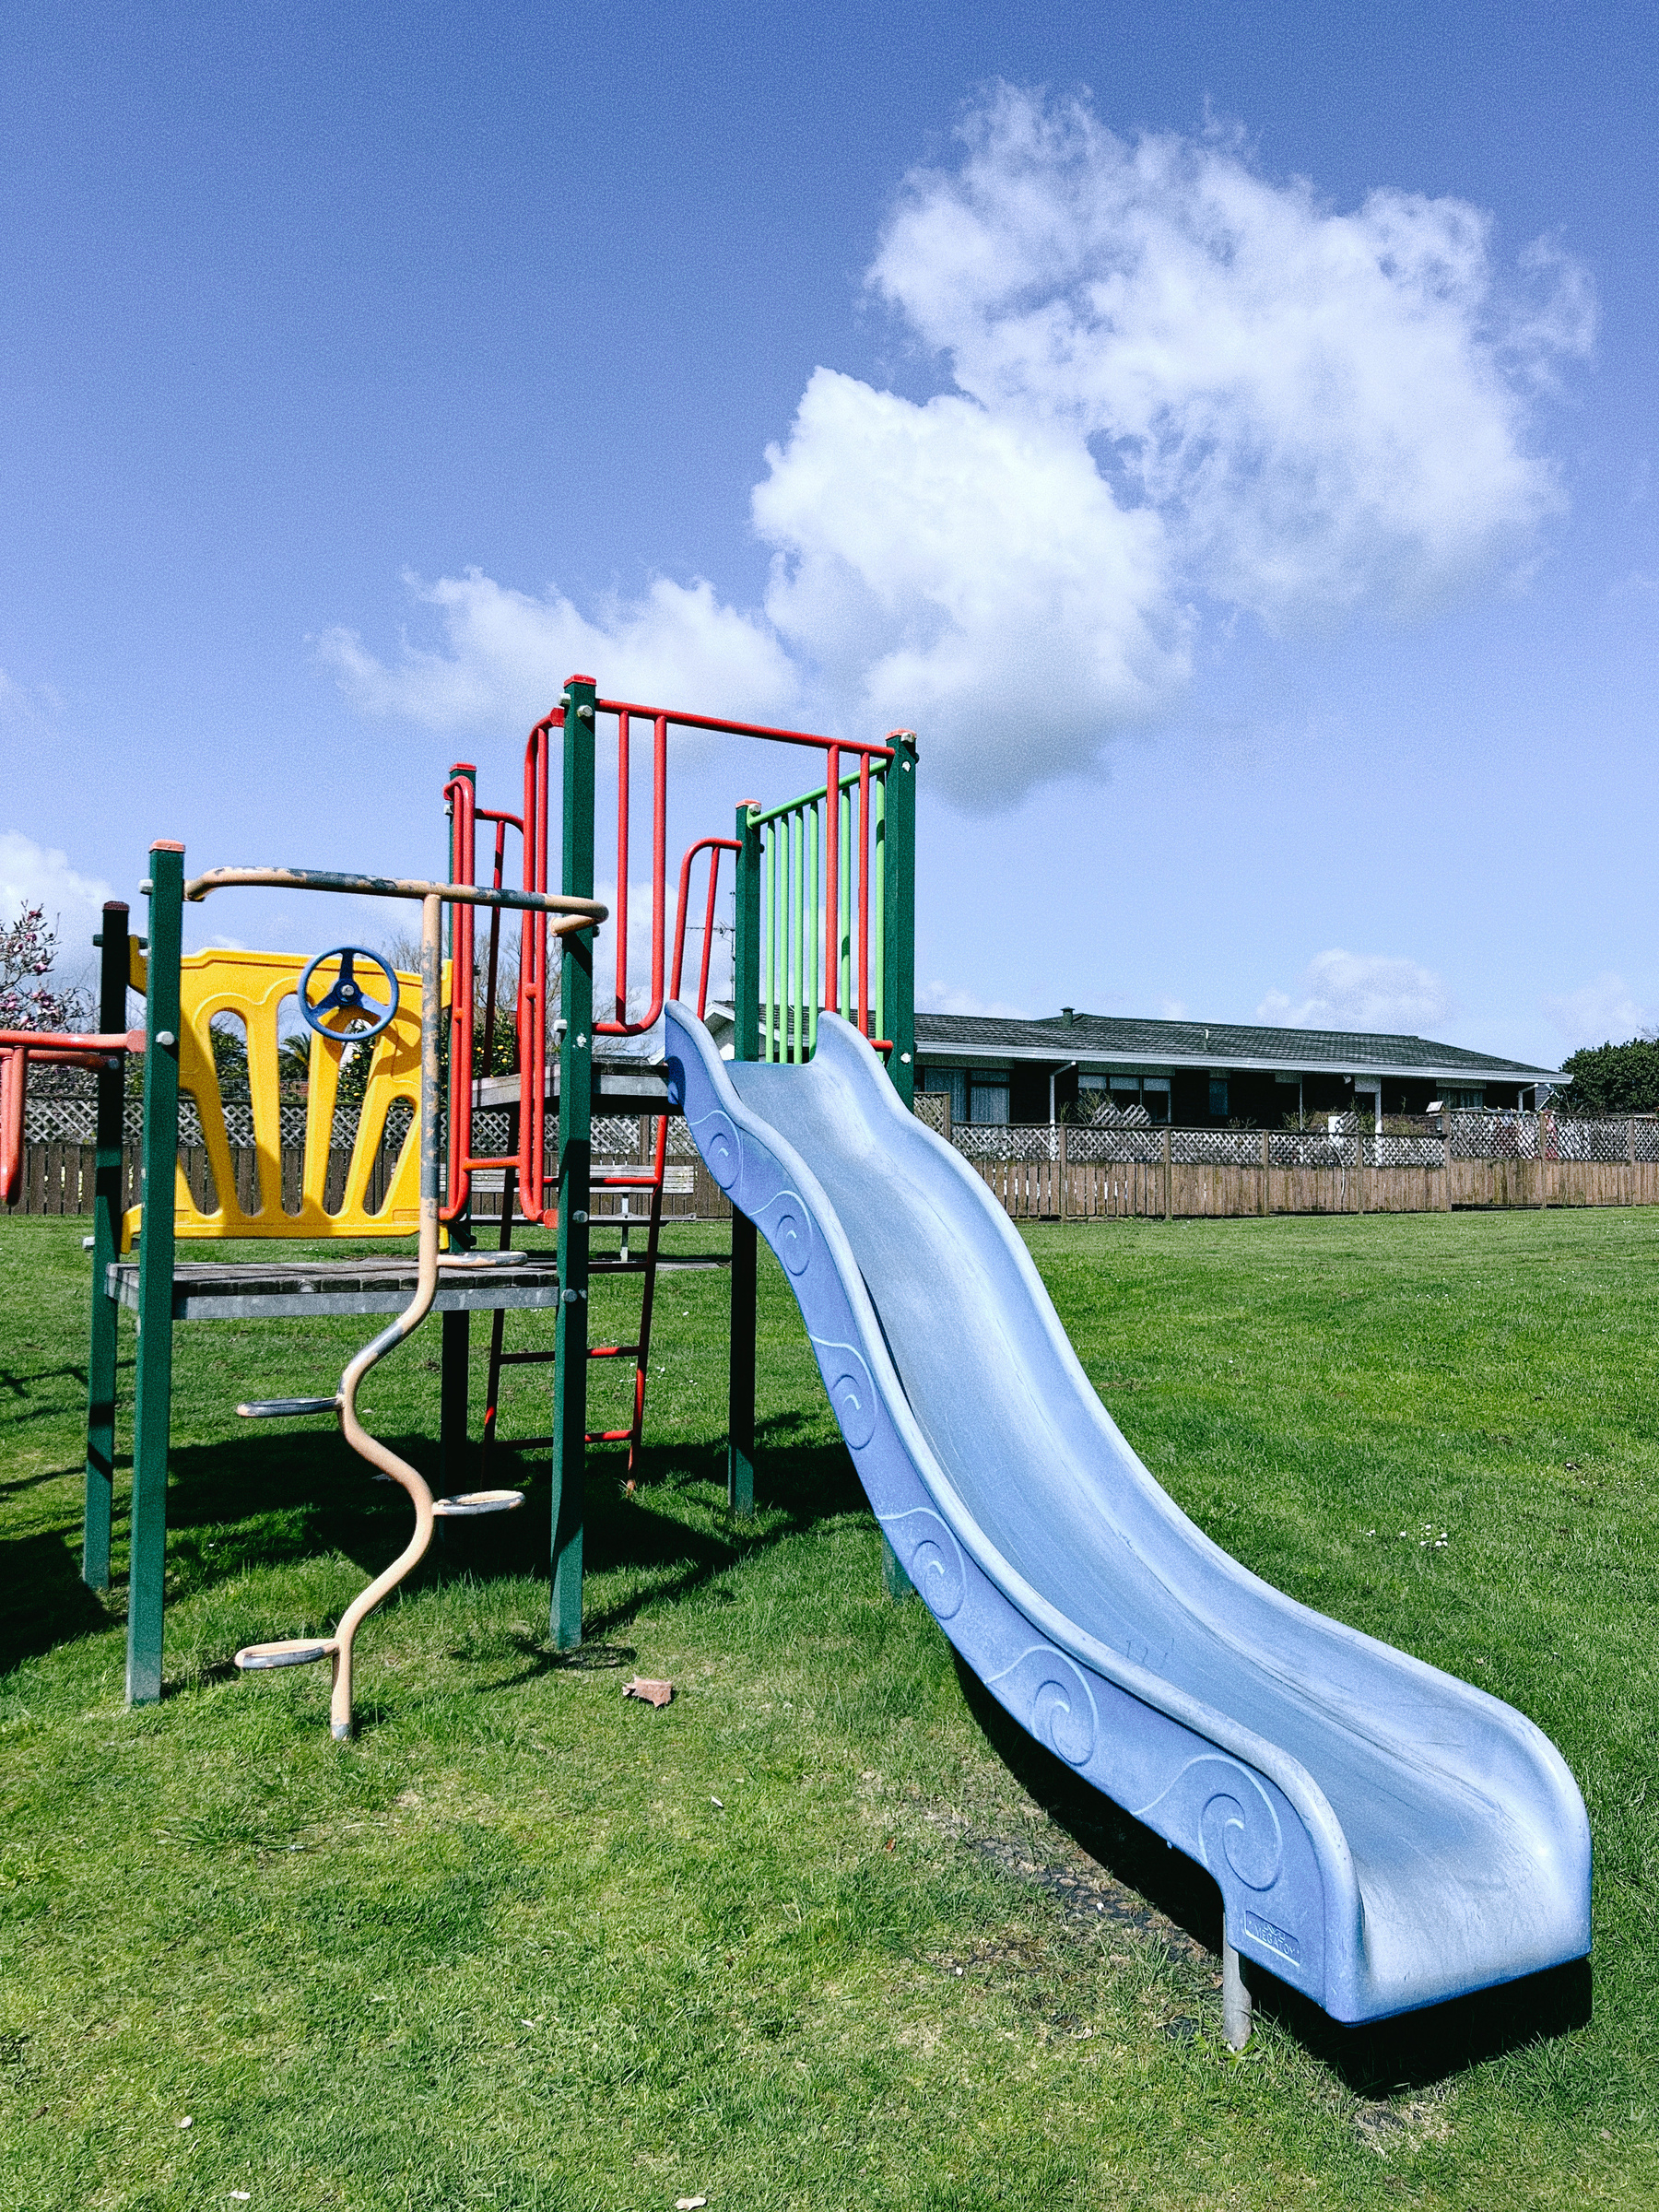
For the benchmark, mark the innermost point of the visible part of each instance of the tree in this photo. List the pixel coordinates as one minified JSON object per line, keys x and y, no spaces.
{"x":1613,"y":1078}
{"x":28,"y":951}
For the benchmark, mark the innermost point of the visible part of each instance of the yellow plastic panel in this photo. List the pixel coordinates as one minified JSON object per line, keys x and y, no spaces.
{"x":253,"y":986}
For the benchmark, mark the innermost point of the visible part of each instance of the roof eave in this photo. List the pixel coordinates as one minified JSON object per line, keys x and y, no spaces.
{"x":1514,"y":1072}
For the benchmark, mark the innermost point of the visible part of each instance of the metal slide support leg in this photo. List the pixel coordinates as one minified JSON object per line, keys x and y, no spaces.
{"x":115,"y":965}
{"x":740,"y":1410}
{"x":745,"y":1045}
{"x":153,"y":1398}
{"x":1235,"y":1998}
{"x":575,"y":1147}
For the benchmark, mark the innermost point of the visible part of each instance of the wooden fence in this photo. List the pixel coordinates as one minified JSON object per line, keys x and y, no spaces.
{"x":1044,"y":1190}
{"x":57,"y":1179}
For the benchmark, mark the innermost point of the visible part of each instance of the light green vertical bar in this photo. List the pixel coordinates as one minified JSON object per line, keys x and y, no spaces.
{"x":766,"y":943}
{"x":845,"y":916}
{"x":803,"y":929}
{"x":879,"y":906}
{"x":778,"y":845}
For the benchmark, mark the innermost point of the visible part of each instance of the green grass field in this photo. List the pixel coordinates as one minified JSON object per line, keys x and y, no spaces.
{"x":827,"y":1932}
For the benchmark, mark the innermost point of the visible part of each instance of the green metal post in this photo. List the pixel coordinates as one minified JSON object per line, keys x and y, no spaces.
{"x":575,"y":1139}
{"x":113,"y":967}
{"x":899,"y":914}
{"x":456,"y":1328}
{"x":745,"y":1045}
{"x":153,"y":1402}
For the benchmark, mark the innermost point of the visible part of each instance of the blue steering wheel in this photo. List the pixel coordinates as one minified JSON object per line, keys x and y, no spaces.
{"x":347,"y":995}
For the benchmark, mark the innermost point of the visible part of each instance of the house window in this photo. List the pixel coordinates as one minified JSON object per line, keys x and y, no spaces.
{"x":990,"y":1100}
{"x":1217,"y":1098}
{"x":1471,"y":1101}
{"x":1154,"y":1097}
{"x":953,"y":1081}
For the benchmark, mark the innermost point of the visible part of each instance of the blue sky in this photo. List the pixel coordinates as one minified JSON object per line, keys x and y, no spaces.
{"x":1227,"y":434}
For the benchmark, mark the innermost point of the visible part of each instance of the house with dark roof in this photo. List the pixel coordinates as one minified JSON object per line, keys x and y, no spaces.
{"x":1192,"y":1073}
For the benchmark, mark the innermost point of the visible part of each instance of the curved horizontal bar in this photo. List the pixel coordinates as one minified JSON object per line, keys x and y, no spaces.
{"x":582,"y":914}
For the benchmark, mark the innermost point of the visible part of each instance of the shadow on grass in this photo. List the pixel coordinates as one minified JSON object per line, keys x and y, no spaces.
{"x":1377,"y":2059}
{"x":44,"y":1601}
{"x":271,"y":1500}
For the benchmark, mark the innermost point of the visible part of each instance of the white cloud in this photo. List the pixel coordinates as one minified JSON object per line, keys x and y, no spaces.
{"x":1178,"y":388}
{"x":1360,"y":991}
{"x":505,"y":655}
{"x":1603,"y":1011}
{"x":969,"y":574}
{"x":40,"y":875}
{"x":950,"y":998}
{"x":1325,"y":407}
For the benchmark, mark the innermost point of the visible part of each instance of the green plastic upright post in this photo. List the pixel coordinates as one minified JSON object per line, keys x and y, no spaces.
{"x":899,"y":914}
{"x":152,"y":1409}
{"x":745,"y":1045}
{"x":455,"y":1329}
{"x":113,"y":967}
{"x":575,"y":1140}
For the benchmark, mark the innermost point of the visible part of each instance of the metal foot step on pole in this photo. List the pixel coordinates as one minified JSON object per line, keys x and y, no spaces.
{"x":469,"y":1502}
{"x":283,"y":1409}
{"x":292,"y":1650}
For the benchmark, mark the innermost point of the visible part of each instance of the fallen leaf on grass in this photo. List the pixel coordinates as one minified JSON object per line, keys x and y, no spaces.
{"x":649,"y":1693}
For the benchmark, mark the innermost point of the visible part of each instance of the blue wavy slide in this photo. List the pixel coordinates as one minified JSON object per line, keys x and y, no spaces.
{"x":1383,"y":1836}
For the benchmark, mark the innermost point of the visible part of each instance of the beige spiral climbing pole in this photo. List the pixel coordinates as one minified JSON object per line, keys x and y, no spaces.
{"x":302,"y":1651}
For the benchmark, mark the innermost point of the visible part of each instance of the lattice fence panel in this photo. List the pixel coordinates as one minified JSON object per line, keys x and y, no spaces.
{"x":617,"y":1138}
{"x":1007,"y":1141}
{"x":1215,"y":1148}
{"x":1588,"y":1140}
{"x":1310,"y":1148}
{"x":1123,"y":1144}
{"x":1494,"y":1137}
{"x":1405,"y":1152}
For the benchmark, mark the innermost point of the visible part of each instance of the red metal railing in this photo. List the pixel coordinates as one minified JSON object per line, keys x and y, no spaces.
{"x":715,"y":846}
{"x":531,"y":1025}
{"x":18,"y":1048}
{"x":528,"y":1163}
{"x":664,"y":718}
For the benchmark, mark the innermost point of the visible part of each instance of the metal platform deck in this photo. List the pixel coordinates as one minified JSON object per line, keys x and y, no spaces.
{"x":294,"y":1290}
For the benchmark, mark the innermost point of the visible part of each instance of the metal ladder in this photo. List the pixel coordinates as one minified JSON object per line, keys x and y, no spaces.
{"x":650,"y":1179}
